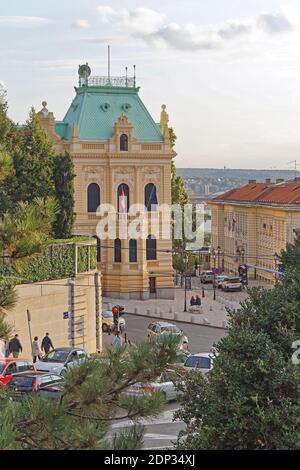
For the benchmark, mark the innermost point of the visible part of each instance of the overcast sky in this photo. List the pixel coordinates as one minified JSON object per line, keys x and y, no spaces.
{"x":228,"y":71}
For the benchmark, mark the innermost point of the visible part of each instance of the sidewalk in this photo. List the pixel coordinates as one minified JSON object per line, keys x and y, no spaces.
{"x":213,"y":312}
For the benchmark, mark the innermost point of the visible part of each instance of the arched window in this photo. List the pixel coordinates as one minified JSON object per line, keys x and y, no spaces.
{"x":118,"y":254}
{"x":123,"y":198}
{"x":151,"y":248}
{"x":150,"y":197}
{"x":93,"y":195}
{"x":124,"y":143}
{"x":132,"y":251}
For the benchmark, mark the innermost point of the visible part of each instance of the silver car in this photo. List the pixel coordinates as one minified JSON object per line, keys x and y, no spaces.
{"x":60,"y":360}
{"x":164,"y":384}
{"x":201,"y":362}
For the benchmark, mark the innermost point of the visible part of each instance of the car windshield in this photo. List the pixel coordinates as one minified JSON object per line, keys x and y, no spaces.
{"x":22,"y":382}
{"x":170,"y":328}
{"x":234,"y":280}
{"x":2,"y":367}
{"x":200,"y":362}
{"x":57,"y":356}
{"x":107,"y":314}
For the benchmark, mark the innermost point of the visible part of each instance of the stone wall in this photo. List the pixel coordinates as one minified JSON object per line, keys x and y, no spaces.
{"x":47,"y":302}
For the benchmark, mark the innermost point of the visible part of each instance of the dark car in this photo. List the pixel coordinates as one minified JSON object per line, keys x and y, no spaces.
{"x":44,"y":385}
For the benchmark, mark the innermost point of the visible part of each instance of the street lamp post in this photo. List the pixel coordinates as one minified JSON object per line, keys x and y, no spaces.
{"x":219,"y":254}
{"x":185,"y":271}
{"x":214,"y":281}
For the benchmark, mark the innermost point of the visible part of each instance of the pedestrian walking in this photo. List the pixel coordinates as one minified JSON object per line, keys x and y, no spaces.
{"x":46,"y":344}
{"x":6,"y":348}
{"x":36,"y":350}
{"x":117,"y":342}
{"x":15,"y":346}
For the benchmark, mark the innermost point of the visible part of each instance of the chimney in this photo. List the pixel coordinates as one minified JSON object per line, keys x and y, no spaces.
{"x":268,"y":180}
{"x":252,"y":182}
{"x":279,"y":180}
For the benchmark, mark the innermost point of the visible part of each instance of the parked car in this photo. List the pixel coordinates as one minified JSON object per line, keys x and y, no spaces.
{"x":161,"y":327}
{"x":60,"y":360}
{"x":207,"y":277}
{"x":44,"y":385}
{"x":220,"y":279}
{"x":233,"y":284}
{"x":11,"y":366}
{"x":108,"y":321}
{"x":164,"y":383}
{"x":202,"y":362}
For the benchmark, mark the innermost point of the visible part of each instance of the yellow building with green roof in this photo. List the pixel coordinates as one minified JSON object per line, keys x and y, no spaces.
{"x":119,"y":153}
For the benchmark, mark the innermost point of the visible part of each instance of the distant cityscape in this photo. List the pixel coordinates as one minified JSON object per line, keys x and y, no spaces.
{"x":213,"y":181}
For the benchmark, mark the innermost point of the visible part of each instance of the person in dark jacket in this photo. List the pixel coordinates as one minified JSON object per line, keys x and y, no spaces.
{"x":192,"y":301}
{"x":15,"y":346}
{"x":47,"y":344}
{"x":198,"y":300}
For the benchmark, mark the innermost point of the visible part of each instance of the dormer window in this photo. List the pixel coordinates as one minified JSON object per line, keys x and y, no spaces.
{"x":124,"y":143}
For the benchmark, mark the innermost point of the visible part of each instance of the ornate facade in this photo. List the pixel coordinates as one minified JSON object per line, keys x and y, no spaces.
{"x":119,"y":152}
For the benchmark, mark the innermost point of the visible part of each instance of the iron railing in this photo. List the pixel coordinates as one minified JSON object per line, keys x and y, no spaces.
{"x":125,"y":82}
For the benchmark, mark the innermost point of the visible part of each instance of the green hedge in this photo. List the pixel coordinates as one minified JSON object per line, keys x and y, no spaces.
{"x":57,"y":261}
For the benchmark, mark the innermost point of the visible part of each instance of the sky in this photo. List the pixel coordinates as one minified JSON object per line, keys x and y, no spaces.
{"x":228,"y":71}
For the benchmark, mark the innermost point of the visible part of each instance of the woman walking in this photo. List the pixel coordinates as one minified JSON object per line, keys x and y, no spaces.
{"x":36,"y":350}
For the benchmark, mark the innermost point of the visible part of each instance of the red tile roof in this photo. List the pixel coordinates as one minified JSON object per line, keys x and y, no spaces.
{"x":247,"y":193}
{"x":282,"y":193}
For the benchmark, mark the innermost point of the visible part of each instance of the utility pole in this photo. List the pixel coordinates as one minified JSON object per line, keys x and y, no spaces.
{"x":29,"y":327}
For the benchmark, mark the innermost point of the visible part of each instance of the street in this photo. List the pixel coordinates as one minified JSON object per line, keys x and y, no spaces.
{"x":162,"y":432}
{"x":201,"y":338}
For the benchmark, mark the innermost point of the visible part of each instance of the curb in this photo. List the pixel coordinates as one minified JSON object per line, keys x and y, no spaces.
{"x":177,"y":321}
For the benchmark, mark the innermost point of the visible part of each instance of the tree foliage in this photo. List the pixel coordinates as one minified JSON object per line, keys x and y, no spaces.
{"x":93,"y":397}
{"x":33,"y":156}
{"x":22,"y":234}
{"x":63,"y":177}
{"x":251,"y":399}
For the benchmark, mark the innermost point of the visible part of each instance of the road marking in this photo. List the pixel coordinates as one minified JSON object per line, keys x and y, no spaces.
{"x":160,"y":436}
{"x":165,"y":418}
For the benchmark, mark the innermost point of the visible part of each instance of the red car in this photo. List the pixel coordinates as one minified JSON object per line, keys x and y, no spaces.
{"x":10,"y":366}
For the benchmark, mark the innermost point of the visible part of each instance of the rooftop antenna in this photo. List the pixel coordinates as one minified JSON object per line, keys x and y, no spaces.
{"x":134,"y":77}
{"x":108,"y":62}
{"x":126,"y":82}
{"x":295,"y":165}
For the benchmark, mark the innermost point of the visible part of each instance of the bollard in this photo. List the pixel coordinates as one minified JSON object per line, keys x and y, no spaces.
{"x":136,"y":310}
{"x":148,"y":312}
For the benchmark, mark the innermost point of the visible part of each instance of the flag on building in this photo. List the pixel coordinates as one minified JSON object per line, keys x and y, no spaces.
{"x":123,"y":203}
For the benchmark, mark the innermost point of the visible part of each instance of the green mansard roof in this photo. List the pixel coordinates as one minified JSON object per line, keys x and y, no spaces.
{"x":96,"y":109}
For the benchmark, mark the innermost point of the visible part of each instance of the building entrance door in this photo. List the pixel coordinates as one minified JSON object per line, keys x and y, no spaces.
{"x":152,"y":286}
